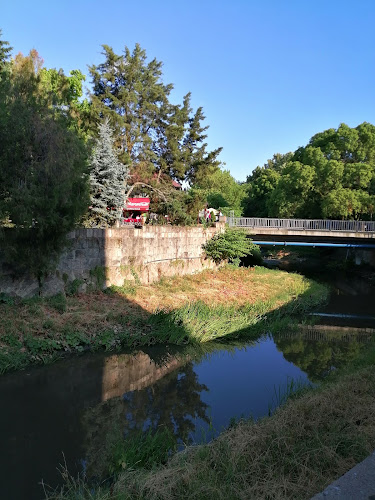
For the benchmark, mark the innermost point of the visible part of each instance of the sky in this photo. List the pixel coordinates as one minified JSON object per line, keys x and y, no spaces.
{"x":269,"y":74}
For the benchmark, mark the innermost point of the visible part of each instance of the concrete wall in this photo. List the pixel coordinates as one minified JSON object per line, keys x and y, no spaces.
{"x":104,"y":257}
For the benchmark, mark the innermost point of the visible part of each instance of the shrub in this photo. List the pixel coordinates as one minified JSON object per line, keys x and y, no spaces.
{"x":230,"y":246}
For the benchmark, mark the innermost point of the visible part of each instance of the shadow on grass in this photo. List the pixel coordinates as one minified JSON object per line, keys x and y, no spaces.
{"x":159,"y":384}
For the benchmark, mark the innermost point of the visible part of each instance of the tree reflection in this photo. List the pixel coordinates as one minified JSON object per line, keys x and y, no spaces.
{"x":317,"y":358}
{"x":173,"y":402}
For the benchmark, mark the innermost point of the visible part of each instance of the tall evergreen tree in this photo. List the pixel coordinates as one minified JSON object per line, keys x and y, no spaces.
{"x":158,"y":139}
{"x":5,"y":50}
{"x":108,"y":179}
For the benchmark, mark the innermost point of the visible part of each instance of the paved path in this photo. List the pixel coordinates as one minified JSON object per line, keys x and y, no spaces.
{"x":356,"y":484}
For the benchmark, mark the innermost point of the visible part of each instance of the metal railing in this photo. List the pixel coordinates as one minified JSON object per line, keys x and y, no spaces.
{"x":357,"y":226}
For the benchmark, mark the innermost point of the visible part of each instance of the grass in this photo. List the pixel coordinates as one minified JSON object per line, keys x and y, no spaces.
{"x":315,"y":437}
{"x":191,"y":309}
{"x":142,"y":450}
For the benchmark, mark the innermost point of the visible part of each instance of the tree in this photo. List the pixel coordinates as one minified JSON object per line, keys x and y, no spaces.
{"x":293,"y":195}
{"x":5,"y":51}
{"x":43,"y":186}
{"x":259,"y":187}
{"x":108,"y":180}
{"x":156,"y":138}
{"x":223,"y":192}
{"x":343,"y":203}
{"x":332,"y":176}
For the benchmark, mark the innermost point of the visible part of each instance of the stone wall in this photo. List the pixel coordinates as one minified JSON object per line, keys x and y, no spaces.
{"x":104,"y":257}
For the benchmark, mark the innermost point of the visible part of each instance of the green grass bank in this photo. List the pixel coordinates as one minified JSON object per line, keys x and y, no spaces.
{"x":230,"y":302}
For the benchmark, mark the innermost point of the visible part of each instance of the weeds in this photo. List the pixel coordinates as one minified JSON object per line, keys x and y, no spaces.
{"x":142,"y":450}
{"x":291,"y":389}
{"x":193,"y":309}
{"x":58,"y":302}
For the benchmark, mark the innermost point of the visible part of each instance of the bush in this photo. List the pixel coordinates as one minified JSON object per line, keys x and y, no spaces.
{"x":230,"y":246}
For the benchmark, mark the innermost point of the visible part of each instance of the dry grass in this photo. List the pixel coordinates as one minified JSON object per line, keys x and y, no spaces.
{"x":87,"y":313}
{"x":180,"y":310}
{"x":90,"y":313}
{"x":306,"y":445}
{"x":226,"y":286}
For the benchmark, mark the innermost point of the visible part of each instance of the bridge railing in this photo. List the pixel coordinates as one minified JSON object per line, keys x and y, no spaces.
{"x":356,"y":226}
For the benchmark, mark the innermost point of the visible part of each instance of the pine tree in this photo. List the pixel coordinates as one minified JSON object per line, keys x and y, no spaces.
{"x":5,"y":50}
{"x":158,"y":139}
{"x":108,"y":178}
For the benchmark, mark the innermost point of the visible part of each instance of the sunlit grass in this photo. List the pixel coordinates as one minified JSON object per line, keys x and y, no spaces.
{"x":190,"y":309}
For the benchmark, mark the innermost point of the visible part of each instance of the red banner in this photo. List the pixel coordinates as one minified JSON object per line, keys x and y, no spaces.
{"x":140,"y":204}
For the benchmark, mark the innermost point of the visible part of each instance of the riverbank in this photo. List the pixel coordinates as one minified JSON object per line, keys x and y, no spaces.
{"x":306,"y":444}
{"x":210,"y":305}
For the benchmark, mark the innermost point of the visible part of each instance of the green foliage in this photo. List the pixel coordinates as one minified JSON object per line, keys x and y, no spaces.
{"x":6,"y":299}
{"x":230,"y":245}
{"x":181,"y":208}
{"x":332,"y":177}
{"x":43,"y":187}
{"x":142,"y":449}
{"x":5,"y":50}
{"x":223,"y":192}
{"x":155,"y":136}
{"x":58,"y":302}
{"x":100,"y":275}
{"x":108,"y":178}
{"x":72,"y":287}
{"x":127,"y":288}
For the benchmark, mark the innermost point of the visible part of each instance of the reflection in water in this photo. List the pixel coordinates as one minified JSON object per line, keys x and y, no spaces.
{"x":81,"y":407}
{"x":173,"y":402}
{"x":317,"y":358}
{"x":125,"y":373}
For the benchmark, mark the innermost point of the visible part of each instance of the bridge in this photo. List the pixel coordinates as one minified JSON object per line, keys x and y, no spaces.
{"x":314,"y":232}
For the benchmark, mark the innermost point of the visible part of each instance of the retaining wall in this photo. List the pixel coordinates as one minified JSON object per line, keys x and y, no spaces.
{"x":104,"y":257}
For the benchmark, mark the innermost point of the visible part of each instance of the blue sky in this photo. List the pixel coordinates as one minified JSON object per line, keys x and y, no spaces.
{"x":269,"y":74}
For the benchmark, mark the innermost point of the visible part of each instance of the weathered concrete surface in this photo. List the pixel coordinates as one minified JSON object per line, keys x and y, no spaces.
{"x":356,"y":484}
{"x":105,"y":257}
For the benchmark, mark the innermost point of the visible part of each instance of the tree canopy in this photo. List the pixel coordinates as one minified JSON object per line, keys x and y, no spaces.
{"x":157,"y":139}
{"x":333,"y":176}
{"x":138,"y":139}
{"x":43,"y":189}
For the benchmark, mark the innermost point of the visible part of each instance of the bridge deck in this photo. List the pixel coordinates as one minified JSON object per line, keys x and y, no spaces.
{"x":306,"y":228}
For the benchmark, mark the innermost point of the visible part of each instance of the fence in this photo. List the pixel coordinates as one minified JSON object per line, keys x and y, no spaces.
{"x":356,"y":226}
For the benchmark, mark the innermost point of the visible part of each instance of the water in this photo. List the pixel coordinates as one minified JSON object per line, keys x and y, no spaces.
{"x":71,"y":411}
{"x":352,"y":292}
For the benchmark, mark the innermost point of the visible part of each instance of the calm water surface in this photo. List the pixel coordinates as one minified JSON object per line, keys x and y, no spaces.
{"x":71,"y":410}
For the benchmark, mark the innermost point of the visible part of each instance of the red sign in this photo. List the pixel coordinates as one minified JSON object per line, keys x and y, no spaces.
{"x":141,"y":204}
